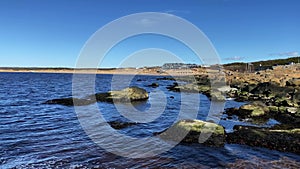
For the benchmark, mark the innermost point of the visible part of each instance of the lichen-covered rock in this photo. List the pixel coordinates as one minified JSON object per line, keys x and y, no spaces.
{"x":126,"y":95}
{"x":191,"y":87}
{"x":253,"y":110}
{"x":193,"y":128}
{"x":273,"y":109}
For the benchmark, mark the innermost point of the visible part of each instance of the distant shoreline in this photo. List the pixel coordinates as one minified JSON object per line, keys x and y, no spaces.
{"x":119,"y":71}
{"x":157,"y":70}
{"x":70,"y":70}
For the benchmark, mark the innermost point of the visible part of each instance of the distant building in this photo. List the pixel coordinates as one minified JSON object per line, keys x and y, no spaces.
{"x":179,"y":66}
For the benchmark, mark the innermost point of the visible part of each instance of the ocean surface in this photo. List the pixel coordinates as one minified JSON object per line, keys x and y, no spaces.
{"x":37,"y":135}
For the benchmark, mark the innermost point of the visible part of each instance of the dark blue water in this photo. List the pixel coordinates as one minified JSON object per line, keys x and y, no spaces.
{"x":36,"y":135}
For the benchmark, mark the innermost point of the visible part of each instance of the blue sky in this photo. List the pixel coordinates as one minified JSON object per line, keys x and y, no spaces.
{"x":51,"y":33}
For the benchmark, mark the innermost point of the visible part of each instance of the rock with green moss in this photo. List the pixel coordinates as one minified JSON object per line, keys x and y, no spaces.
{"x":285,"y":102}
{"x":190,"y":87}
{"x":298,"y":113}
{"x":273,"y":109}
{"x":126,"y":95}
{"x":196,"y":131}
{"x":282,"y":109}
{"x":253,"y":110}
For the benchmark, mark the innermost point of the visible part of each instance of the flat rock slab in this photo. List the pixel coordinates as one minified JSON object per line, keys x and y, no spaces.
{"x":126,"y":95}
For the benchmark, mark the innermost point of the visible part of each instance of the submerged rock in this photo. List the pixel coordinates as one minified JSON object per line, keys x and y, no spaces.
{"x":121,"y":125}
{"x":277,"y":139}
{"x":126,"y":95}
{"x":194,"y":128}
{"x":70,"y":101}
{"x":154,"y":85}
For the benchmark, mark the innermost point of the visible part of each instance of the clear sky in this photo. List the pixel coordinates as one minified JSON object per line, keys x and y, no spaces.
{"x":51,"y":33}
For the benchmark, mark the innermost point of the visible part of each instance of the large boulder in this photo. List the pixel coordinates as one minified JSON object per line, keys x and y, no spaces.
{"x":214,"y":132}
{"x":126,"y":95}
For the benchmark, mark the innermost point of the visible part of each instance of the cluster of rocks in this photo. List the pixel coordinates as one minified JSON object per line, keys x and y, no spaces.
{"x":199,"y":88}
{"x":266,"y":99}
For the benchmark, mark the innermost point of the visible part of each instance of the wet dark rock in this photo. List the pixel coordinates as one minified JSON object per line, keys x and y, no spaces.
{"x":121,"y":125}
{"x":70,"y":101}
{"x":267,"y":92}
{"x":288,"y":118}
{"x":256,"y":162}
{"x":277,"y":139}
{"x":154,"y":85}
{"x":284,"y":102}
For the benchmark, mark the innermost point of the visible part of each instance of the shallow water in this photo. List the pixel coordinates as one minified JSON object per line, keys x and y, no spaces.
{"x":36,"y":135}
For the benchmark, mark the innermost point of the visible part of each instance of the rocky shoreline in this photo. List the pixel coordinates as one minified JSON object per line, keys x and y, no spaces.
{"x":267,"y":97}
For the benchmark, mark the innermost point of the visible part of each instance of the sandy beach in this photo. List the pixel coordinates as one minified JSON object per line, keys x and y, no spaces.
{"x":130,"y":71}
